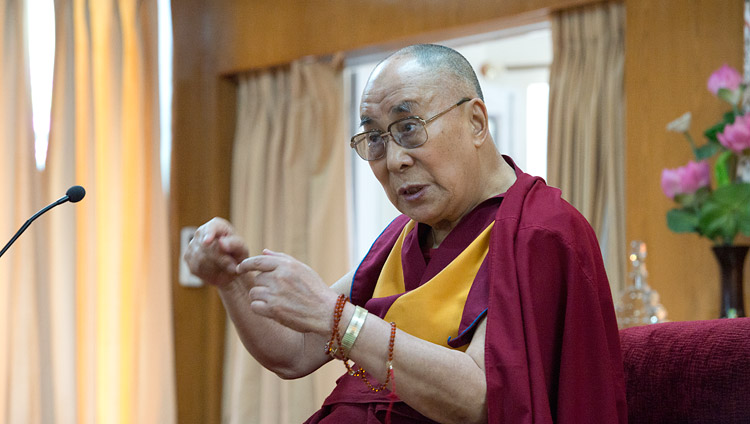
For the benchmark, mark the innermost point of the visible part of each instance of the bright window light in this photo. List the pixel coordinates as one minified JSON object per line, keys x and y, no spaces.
{"x":41,"y":39}
{"x":165,"y":88}
{"x":537,"y":104}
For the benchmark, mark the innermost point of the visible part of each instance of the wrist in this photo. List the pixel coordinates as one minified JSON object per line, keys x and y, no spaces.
{"x":328,"y":313}
{"x":333,"y":346}
{"x":237,"y":286}
{"x":352,"y":329}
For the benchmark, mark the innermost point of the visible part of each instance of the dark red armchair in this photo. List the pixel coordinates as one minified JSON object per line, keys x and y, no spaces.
{"x":688,"y":372}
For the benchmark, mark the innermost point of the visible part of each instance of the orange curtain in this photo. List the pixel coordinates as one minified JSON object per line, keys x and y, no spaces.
{"x":105,"y":136}
{"x":288,"y":194}
{"x":85,"y":306}
{"x":21,"y":388}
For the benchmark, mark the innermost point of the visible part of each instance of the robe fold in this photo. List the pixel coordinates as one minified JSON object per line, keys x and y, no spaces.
{"x":552,"y":349}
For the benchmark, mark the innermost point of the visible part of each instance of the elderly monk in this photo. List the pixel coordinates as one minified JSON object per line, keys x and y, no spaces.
{"x":486,"y":301}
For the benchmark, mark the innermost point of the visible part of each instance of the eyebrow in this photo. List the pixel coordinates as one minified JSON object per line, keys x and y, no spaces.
{"x":404,"y":107}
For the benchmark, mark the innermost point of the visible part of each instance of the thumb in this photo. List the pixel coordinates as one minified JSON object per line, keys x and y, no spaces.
{"x":270,"y":252}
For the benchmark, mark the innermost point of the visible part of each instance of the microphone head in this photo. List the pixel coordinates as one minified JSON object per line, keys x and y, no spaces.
{"x":75,"y":193}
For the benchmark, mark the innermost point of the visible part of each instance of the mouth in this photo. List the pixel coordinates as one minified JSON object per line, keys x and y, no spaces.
{"x":412,"y":192}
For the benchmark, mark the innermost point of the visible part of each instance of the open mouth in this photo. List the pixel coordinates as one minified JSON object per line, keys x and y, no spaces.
{"x":411,"y":192}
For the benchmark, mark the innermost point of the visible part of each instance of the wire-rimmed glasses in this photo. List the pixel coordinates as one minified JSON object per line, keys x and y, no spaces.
{"x":409,"y":133}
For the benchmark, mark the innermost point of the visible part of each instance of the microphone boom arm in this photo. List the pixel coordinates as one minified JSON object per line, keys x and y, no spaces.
{"x":74,"y":194}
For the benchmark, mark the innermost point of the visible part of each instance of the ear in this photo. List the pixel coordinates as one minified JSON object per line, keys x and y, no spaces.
{"x":479,"y":121}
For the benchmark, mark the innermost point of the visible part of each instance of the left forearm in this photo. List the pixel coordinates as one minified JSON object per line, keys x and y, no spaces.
{"x":443,"y":384}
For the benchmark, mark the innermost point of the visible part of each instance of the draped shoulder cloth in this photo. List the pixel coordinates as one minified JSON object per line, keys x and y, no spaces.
{"x":552,"y":346}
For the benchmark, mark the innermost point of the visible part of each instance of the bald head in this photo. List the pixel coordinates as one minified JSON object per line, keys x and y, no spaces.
{"x":456,"y":166}
{"x":442,"y":60}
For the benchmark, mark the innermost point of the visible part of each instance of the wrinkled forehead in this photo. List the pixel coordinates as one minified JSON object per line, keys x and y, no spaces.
{"x":398,"y":80}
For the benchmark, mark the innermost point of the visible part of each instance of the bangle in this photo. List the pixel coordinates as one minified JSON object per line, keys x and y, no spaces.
{"x":355,"y":325}
{"x":334,"y":343}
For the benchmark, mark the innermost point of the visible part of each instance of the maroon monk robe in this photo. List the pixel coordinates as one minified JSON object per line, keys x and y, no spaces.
{"x":552,"y":348}
{"x":351,"y":400}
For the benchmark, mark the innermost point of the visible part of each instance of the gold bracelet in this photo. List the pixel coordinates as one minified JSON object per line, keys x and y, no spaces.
{"x":355,"y":325}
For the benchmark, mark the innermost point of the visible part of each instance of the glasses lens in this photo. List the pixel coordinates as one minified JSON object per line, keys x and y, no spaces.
{"x":409,"y":133}
{"x":370,"y":145}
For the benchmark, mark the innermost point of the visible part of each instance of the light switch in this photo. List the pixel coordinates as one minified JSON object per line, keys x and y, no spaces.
{"x":187,"y":279}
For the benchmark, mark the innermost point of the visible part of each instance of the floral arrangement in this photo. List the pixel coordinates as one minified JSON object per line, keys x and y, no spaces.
{"x":721,"y":212}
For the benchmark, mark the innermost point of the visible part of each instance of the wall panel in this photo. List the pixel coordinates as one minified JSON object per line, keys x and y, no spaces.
{"x":671,"y":47}
{"x":268,"y":32}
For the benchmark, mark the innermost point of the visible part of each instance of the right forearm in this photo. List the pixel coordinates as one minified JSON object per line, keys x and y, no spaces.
{"x":276,"y":347}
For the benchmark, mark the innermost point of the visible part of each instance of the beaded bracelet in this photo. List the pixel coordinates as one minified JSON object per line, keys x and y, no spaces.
{"x":360,"y":372}
{"x":334,"y":343}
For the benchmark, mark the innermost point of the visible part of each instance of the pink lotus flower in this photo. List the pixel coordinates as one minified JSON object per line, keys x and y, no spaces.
{"x":736,"y":136}
{"x":685,"y":179}
{"x":724,"y":77}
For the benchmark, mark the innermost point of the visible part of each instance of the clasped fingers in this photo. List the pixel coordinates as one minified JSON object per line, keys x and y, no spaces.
{"x":215,"y":251}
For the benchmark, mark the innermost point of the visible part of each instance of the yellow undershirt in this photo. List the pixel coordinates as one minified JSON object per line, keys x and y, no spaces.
{"x":433,"y":310}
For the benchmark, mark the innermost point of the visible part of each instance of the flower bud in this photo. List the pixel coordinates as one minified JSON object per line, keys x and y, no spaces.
{"x":685,"y":179}
{"x":725,"y":77}
{"x":736,"y":136}
{"x":681,"y":124}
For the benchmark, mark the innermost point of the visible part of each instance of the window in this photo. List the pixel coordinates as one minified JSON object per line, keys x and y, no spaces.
{"x":165,"y":88}
{"x":41,"y":47}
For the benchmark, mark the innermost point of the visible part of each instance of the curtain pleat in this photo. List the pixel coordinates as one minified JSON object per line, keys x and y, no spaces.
{"x":288,"y":194}
{"x":85,"y":305}
{"x":586,"y":128}
{"x":105,"y":136}
{"x":21,"y":379}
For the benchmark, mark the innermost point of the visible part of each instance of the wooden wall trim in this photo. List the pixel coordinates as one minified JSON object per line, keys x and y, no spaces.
{"x":672,"y":47}
{"x":268,"y":33}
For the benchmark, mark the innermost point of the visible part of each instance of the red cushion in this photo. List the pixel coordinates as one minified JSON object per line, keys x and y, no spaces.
{"x":688,"y":372}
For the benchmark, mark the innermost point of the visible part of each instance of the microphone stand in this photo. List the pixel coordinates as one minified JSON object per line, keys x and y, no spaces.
{"x":30,"y":220}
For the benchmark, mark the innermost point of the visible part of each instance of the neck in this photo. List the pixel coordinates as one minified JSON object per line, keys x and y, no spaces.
{"x":435,"y":241}
{"x":498,"y":182}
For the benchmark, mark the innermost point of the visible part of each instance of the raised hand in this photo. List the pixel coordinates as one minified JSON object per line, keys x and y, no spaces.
{"x":215,"y":251}
{"x":289,"y":292}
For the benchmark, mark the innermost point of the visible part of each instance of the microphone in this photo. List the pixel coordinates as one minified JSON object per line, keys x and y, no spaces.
{"x":73,"y":195}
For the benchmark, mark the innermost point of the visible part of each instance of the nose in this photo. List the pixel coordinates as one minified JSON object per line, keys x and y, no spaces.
{"x":397,"y":157}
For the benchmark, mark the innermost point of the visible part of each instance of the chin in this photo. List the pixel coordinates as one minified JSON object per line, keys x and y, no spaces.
{"x":420,"y":216}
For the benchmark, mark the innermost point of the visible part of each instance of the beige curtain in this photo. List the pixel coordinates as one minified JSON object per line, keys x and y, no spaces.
{"x":86,"y":332}
{"x":20,"y":363}
{"x":586,"y":129}
{"x":288,"y":194}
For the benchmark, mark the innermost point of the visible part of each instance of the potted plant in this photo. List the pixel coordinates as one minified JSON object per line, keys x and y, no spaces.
{"x":720,"y":210}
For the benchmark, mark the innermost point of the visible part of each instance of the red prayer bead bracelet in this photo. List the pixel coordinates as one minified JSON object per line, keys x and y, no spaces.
{"x":334,"y":349}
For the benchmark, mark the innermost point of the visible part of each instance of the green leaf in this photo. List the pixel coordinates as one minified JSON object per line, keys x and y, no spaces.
{"x":712,"y":132}
{"x":729,"y":117}
{"x":743,"y":219}
{"x":726,"y":213}
{"x":707,"y":150}
{"x":734,"y":197}
{"x":682,"y":221}
{"x":721,"y":169}
{"x":693,"y":200}
{"x":730,"y":96}
{"x":716,"y":220}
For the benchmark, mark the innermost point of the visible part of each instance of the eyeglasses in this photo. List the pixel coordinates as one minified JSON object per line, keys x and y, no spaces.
{"x":409,"y":133}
